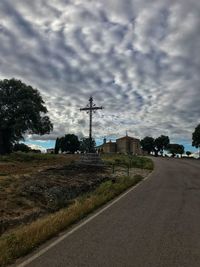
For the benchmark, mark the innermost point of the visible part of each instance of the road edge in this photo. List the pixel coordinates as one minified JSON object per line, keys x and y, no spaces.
{"x":77,"y":226}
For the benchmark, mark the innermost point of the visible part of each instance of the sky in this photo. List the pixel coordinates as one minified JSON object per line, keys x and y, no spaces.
{"x":139,"y":59}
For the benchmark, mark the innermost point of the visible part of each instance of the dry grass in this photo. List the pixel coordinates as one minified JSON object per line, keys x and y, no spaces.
{"x":24,"y":239}
{"x":26,"y":163}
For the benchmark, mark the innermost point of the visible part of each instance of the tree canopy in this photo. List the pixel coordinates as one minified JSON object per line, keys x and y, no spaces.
{"x":71,"y":143}
{"x":161,"y":143}
{"x":21,"y":147}
{"x":22,"y":110}
{"x":86,"y":145}
{"x":147,"y":144}
{"x":188,"y":153}
{"x":57,"y":145}
{"x":175,"y":149}
{"x":196,"y":137}
{"x":67,"y":143}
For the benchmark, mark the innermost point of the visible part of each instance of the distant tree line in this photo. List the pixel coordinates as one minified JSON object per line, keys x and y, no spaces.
{"x":24,"y":148}
{"x":159,"y":144}
{"x":70,"y":143}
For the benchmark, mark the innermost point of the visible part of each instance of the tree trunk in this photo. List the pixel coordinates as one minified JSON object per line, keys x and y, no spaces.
{"x":5,"y":143}
{"x":156,"y":152}
{"x":2,"y":148}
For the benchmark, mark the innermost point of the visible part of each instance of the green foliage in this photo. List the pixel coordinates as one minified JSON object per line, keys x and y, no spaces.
{"x":111,"y":189}
{"x":57,"y":146}
{"x":196,"y":137}
{"x":157,"y":145}
{"x":188,"y":153}
{"x":21,"y":147}
{"x":128,"y":161}
{"x":21,"y":110}
{"x":148,"y":144}
{"x":67,"y":143}
{"x":70,"y":143}
{"x":175,"y":149}
{"x":142,"y":163}
{"x":161,"y":143}
{"x":85,"y":145}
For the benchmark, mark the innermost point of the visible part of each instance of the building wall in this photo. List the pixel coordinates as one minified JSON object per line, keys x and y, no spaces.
{"x":109,"y":147}
{"x":135,"y":148}
{"x":123,"y":145}
{"x":129,"y":145}
{"x":132,"y":147}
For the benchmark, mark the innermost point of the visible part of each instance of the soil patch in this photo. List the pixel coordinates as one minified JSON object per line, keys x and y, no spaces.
{"x":23,"y":198}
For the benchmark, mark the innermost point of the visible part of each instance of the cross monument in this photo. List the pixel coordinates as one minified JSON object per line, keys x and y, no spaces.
{"x":90,"y":108}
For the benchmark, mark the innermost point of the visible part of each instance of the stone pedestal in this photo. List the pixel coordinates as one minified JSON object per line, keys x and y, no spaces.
{"x":91,"y":159}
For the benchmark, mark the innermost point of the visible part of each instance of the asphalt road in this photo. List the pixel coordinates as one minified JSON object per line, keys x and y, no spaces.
{"x":155,"y":225}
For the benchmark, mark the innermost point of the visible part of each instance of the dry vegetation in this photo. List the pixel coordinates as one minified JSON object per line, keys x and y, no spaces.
{"x":50,"y":184}
{"x":41,"y":190}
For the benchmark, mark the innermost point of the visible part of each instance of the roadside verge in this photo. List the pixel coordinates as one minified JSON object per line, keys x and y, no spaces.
{"x":23,"y":240}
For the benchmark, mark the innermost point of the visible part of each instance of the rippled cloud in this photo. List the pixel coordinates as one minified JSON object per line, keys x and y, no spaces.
{"x":139,"y":60}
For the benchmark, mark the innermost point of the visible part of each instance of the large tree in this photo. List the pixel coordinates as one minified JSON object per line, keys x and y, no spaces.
{"x":147,"y":144}
{"x":175,"y":149}
{"x":22,"y":110}
{"x":196,"y":138}
{"x":161,"y":143}
{"x":188,"y":153}
{"x":86,"y":145}
{"x":68,"y":143}
{"x":21,"y":147}
{"x":57,"y":146}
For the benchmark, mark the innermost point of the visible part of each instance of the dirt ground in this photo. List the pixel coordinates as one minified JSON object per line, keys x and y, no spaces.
{"x":33,"y":189}
{"x":29,"y":190}
{"x":18,"y":168}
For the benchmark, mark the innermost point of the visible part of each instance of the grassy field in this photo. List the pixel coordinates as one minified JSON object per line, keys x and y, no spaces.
{"x":53,"y":172}
{"x":128,"y":161}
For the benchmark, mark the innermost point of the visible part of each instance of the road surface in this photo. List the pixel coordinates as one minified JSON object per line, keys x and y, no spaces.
{"x":155,"y":225}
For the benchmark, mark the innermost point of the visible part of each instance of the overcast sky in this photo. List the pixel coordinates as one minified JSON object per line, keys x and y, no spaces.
{"x":139,"y":59}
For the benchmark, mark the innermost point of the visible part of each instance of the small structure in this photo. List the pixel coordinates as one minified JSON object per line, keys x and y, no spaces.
{"x":124,"y":145}
{"x":50,"y":150}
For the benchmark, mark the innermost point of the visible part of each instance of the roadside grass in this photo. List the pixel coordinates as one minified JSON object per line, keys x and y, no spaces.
{"x":128,"y":161}
{"x":24,"y":239}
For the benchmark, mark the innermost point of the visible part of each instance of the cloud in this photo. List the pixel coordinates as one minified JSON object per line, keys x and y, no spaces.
{"x":139,"y":60}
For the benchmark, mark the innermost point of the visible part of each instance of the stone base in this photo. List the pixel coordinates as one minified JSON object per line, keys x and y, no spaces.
{"x":92,"y":159}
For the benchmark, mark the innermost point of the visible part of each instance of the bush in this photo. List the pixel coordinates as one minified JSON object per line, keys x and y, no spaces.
{"x":21,"y":147}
